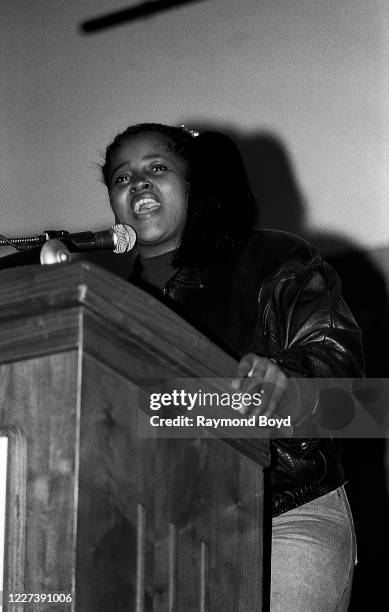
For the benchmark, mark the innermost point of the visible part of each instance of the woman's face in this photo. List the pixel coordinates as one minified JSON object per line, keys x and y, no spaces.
{"x":148,"y":190}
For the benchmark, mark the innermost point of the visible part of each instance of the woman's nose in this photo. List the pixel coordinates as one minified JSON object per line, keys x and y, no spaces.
{"x":140,"y":184}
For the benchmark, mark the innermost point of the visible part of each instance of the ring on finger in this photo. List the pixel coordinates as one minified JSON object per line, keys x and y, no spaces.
{"x":251,"y":371}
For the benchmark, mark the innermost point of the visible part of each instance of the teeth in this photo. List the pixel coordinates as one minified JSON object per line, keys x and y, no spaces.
{"x":139,"y":203}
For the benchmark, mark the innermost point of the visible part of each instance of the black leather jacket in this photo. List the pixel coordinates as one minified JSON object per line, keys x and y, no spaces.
{"x":279,"y":299}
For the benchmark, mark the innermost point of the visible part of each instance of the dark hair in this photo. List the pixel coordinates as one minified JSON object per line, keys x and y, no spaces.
{"x":180,"y":137}
{"x":221,"y":207}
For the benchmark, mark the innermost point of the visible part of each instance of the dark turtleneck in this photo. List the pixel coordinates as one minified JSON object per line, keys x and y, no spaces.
{"x":157,"y":271}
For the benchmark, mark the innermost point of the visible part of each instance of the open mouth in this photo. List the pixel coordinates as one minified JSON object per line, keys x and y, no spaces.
{"x":145,"y":206}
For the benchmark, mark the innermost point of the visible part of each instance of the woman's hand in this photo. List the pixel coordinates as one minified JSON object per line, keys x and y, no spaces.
{"x":255,"y":371}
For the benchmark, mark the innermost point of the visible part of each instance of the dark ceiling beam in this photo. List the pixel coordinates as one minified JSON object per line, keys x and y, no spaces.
{"x":145,"y":9}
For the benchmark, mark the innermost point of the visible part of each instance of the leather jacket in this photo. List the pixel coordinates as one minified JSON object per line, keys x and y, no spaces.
{"x":276,"y":297}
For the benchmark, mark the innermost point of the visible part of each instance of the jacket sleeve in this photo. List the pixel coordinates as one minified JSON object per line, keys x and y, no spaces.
{"x":309,"y":329}
{"x":310,"y":332}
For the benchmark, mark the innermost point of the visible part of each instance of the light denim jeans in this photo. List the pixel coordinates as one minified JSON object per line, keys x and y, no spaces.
{"x":313,"y":556}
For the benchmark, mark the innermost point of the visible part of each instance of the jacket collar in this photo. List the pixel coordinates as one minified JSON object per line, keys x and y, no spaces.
{"x":183,"y":276}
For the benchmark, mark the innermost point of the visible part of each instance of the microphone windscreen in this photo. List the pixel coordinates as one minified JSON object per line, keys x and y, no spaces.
{"x":124,"y":238}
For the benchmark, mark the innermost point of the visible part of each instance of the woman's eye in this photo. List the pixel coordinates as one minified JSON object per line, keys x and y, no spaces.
{"x":122,"y":178}
{"x":158,"y":168}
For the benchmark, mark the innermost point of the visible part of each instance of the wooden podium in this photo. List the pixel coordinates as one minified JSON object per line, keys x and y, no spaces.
{"x":96,"y":510}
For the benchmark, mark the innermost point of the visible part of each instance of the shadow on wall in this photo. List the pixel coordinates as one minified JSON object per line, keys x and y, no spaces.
{"x":364,"y":289}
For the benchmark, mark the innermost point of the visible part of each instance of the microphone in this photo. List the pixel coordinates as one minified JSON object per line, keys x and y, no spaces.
{"x":120,"y":238}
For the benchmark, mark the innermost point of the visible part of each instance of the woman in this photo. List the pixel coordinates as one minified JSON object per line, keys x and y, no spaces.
{"x":271,"y":302}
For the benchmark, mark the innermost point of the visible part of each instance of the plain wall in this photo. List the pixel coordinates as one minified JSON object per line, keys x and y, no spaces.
{"x":312,"y":73}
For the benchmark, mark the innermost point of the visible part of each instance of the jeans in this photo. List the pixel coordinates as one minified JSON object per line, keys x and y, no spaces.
{"x":313,"y":556}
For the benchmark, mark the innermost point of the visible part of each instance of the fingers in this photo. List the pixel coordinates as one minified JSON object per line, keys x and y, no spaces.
{"x":250,"y":366}
{"x":255,"y":371}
